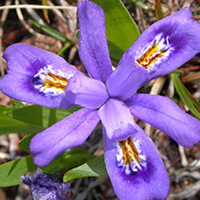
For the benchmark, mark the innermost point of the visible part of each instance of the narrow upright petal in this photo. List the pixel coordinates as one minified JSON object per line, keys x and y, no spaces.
{"x":127,"y":78}
{"x":164,"y":114}
{"x":36,"y":76}
{"x":86,"y":92}
{"x":117,"y":119}
{"x":93,"y":49}
{"x":65,"y":134}
{"x":167,"y":44}
{"x":135,"y":168}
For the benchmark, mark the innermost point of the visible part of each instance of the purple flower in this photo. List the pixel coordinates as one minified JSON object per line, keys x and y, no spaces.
{"x":44,"y":187}
{"x":133,"y":163}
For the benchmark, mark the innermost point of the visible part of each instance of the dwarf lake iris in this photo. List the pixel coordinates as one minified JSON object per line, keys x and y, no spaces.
{"x":133,"y":162}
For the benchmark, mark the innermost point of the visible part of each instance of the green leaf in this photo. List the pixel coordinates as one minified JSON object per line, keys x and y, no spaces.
{"x":67,"y":160}
{"x":24,"y":142}
{"x":30,"y":119}
{"x":51,"y":116}
{"x":5,"y":108}
{"x":12,"y":171}
{"x":9,"y":125}
{"x":185,"y":95}
{"x":121,"y":30}
{"x":93,"y":168}
{"x":17,"y":104}
{"x":41,"y":116}
{"x":67,"y":46}
{"x":28,"y":114}
{"x":52,"y":32}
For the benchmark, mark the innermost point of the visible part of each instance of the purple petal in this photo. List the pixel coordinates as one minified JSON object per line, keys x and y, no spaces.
{"x":126,"y":79}
{"x":117,"y":119}
{"x":164,"y":114}
{"x":168,"y":44}
{"x":93,"y":49}
{"x":86,"y":92}
{"x":27,"y":59}
{"x":144,"y":176}
{"x":40,"y":77}
{"x":68,"y":133}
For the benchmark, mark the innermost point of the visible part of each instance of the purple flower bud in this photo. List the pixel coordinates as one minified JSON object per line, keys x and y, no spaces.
{"x":46,"y":187}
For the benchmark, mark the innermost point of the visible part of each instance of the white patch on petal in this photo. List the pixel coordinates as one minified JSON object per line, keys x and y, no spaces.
{"x":48,"y":80}
{"x":129,"y":156}
{"x":154,"y":53}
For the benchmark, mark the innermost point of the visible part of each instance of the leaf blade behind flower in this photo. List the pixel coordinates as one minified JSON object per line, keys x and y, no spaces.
{"x":13,"y":170}
{"x":51,"y":32}
{"x":121,"y":30}
{"x":185,"y":95}
{"x":30,"y":119}
{"x":10,"y":125}
{"x":93,"y":168}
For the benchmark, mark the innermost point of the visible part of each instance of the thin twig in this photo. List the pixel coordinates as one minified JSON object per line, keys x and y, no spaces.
{"x":57,"y":12}
{"x":38,"y":7}
{"x":21,"y":18}
{"x":184,"y":161}
{"x":34,"y":14}
{"x":156,"y":89}
{"x":2,"y":21}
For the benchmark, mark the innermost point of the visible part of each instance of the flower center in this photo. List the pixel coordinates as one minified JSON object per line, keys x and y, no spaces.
{"x":49,"y":81}
{"x":129,"y":156}
{"x":152,"y":54}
